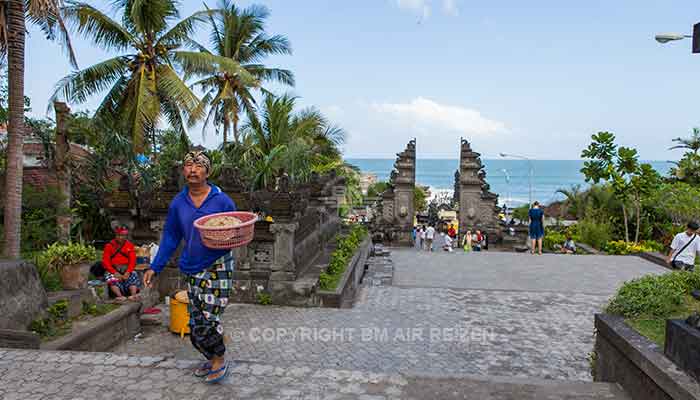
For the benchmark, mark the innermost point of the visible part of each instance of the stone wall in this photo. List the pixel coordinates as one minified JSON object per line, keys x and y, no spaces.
{"x":22,"y":296}
{"x":636,"y":364}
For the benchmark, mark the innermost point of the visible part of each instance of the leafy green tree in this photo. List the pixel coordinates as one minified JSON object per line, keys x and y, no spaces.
{"x":620,"y":168}
{"x":239,"y":35}
{"x":142,"y":83}
{"x":283,"y":141}
{"x":420,"y":199}
{"x":376,"y":189}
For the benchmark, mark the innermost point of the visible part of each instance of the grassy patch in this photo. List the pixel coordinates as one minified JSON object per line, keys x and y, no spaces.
{"x":654,"y":328}
{"x":57,"y":323}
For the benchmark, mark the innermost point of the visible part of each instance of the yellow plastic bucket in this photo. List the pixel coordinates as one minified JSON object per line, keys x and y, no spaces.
{"x":179,"y":317}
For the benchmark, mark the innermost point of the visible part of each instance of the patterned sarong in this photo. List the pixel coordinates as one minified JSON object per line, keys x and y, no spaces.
{"x":132,"y":280}
{"x":209,"y":292}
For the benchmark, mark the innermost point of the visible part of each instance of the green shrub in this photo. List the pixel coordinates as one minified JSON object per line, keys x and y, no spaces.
{"x":264,"y":298}
{"x":56,"y":256}
{"x":619,"y":247}
{"x":553,"y":238}
{"x":596,"y":234}
{"x":50,"y":278}
{"x":55,"y":323}
{"x":347,"y":245}
{"x":653,"y":295}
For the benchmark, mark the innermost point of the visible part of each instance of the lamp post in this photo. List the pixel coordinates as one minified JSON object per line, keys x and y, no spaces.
{"x":529,"y":175}
{"x":507,"y":175}
{"x":671,"y":37}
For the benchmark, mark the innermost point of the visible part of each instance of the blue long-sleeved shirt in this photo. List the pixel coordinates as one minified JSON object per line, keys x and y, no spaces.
{"x":179,"y":225}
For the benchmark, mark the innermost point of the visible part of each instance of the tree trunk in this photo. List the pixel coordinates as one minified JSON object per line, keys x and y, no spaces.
{"x":639,"y":221}
{"x":15,"y":156}
{"x":226,"y":123}
{"x":627,"y":230}
{"x":235,"y":129}
{"x":63,"y":172}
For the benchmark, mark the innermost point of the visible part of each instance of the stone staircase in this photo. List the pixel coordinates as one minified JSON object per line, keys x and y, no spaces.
{"x":70,"y":375}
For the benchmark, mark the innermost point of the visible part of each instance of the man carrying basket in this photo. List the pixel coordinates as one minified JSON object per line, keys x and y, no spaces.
{"x":209,"y":272}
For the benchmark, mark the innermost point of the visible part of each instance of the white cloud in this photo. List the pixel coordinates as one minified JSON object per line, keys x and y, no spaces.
{"x":423,"y":8}
{"x":425,"y":115}
{"x":450,"y":7}
{"x":419,"y":7}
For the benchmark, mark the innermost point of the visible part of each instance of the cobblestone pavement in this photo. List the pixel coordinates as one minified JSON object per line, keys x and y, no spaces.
{"x":26,"y":374}
{"x":417,"y":330}
{"x":423,"y":330}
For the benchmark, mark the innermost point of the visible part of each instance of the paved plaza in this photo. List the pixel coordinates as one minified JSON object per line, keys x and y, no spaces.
{"x":448,"y":326}
{"x":523,"y":318}
{"x":593,"y":274}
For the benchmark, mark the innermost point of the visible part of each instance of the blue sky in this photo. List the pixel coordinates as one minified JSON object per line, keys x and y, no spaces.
{"x":533,"y":78}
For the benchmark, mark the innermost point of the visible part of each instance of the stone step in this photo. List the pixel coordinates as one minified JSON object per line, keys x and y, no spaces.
{"x":66,"y":375}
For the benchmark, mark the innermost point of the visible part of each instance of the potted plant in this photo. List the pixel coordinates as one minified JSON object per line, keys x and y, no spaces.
{"x":72,"y":262}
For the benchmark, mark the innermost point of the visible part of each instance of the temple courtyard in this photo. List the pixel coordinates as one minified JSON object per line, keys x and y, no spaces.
{"x":484,"y":325}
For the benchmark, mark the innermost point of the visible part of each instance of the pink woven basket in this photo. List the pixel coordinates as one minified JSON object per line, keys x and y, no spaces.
{"x":227,"y":237}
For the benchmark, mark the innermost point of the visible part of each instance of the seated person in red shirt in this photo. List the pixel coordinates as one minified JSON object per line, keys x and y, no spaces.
{"x":119,"y":260}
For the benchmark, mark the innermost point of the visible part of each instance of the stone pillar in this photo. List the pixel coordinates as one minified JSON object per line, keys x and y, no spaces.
{"x":283,"y":267}
{"x":477,"y":205}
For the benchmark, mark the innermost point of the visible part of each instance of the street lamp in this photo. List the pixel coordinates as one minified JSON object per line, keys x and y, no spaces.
{"x":507,"y":175}
{"x":529,"y":175}
{"x":670,"y":37}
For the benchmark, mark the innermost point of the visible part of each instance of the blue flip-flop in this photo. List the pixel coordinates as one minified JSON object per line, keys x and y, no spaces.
{"x":203,"y":369}
{"x":214,"y":372}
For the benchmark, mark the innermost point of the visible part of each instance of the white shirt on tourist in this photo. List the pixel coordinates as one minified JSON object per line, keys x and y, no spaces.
{"x":422,"y":234}
{"x":688,"y":254}
{"x":430,"y":233}
{"x":448,"y":241}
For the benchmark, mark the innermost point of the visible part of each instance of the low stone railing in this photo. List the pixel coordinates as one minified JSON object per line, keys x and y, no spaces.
{"x":637,"y":364}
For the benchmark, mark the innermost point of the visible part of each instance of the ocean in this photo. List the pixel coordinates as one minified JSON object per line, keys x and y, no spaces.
{"x":508,"y":178}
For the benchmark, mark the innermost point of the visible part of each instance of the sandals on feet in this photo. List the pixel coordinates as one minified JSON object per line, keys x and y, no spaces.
{"x":120,"y":299}
{"x":223,"y":371}
{"x":203,"y":370}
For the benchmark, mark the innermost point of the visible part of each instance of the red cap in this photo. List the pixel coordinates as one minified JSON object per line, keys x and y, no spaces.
{"x":121,"y":230}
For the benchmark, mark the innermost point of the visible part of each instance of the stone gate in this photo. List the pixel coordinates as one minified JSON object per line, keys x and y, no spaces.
{"x":395,"y":210}
{"x":478,"y":206}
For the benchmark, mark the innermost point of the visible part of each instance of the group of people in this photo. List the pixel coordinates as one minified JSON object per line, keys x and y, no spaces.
{"x":427,"y":238}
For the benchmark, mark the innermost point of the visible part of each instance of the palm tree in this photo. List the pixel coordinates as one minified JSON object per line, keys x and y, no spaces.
{"x":284,"y":141}
{"x":691,"y":143}
{"x":239,"y":35}
{"x":142,"y":83}
{"x":44,"y":13}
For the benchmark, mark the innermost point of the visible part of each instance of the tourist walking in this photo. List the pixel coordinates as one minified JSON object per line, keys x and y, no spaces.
{"x":451,"y":231}
{"x":447,"y":242}
{"x":467,"y":242}
{"x":209,"y":272}
{"x":536,"y":228}
{"x":420,"y":235}
{"x":429,"y":236}
{"x":684,"y":247}
{"x":476,"y":240}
